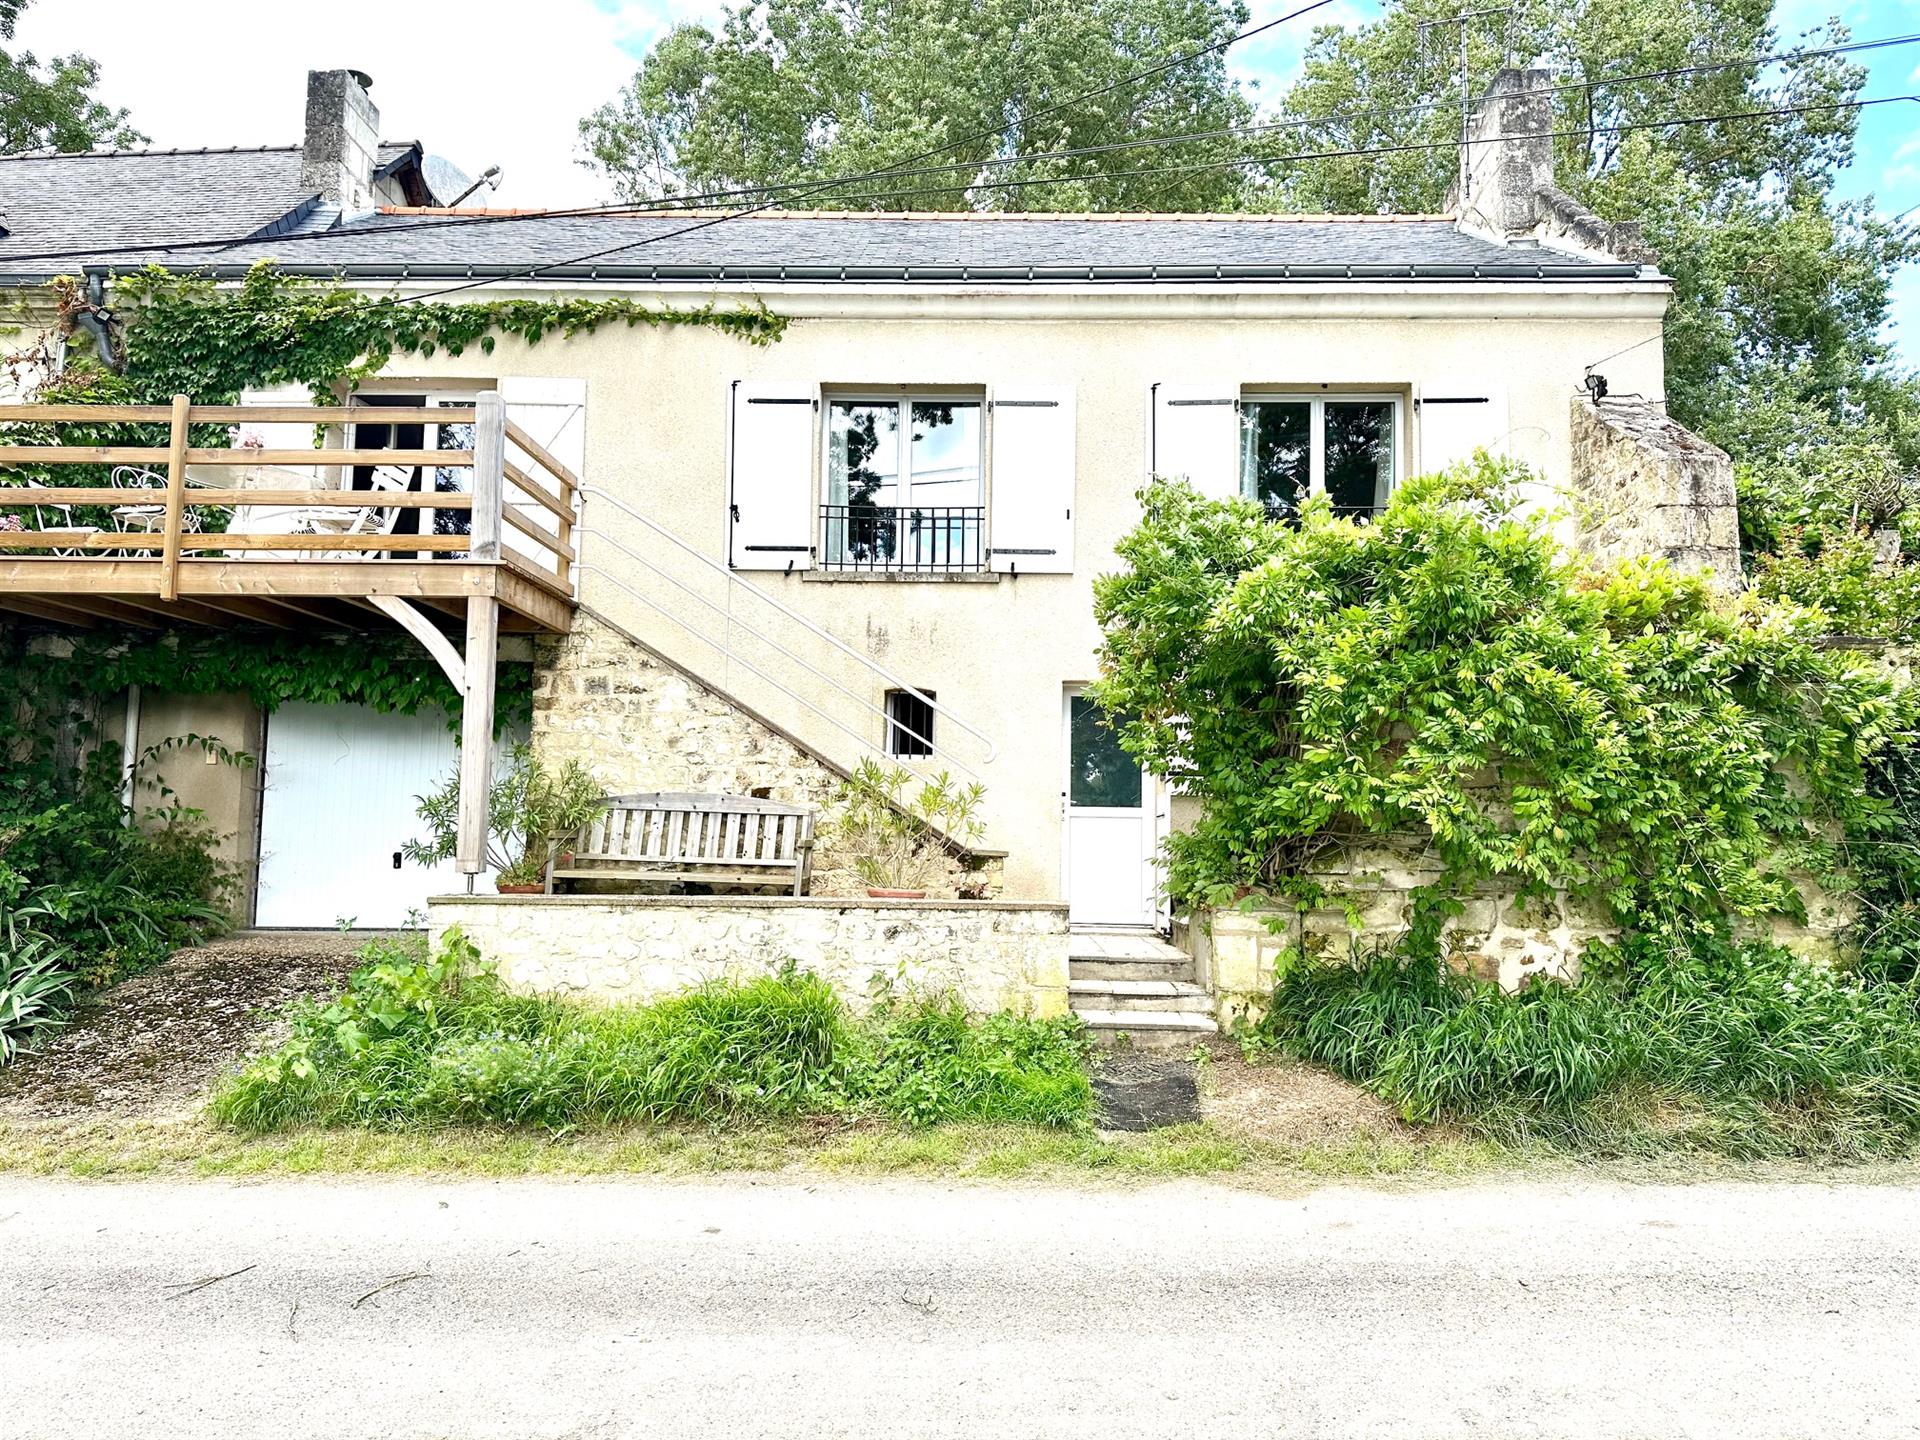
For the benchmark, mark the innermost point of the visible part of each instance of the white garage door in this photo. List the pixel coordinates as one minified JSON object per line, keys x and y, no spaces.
{"x":340,"y":786}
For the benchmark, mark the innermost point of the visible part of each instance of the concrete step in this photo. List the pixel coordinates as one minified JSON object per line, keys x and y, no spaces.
{"x":1147,"y":1029}
{"x":1136,"y":996}
{"x":1082,"y":967}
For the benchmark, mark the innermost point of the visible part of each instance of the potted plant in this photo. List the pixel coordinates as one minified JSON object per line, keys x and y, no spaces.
{"x":531,"y":813}
{"x":897,"y":835}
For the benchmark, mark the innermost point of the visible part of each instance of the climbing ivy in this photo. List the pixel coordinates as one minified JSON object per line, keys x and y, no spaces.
{"x":187,"y":334}
{"x":383,"y":671}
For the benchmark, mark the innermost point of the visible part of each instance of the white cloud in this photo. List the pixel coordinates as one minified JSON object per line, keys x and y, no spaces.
{"x":483,"y":82}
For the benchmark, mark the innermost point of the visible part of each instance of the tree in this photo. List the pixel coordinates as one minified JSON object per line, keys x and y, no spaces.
{"x":53,"y":108}
{"x":800,"y":90}
{"x":1780,"y":290}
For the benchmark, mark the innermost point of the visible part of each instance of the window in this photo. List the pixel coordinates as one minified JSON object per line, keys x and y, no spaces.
{"x":443,"y":480}
{"x":904,"y":485}
{"x":1103,"y":775}
{"x":1342,"y":447}
{"x":910,"y":724}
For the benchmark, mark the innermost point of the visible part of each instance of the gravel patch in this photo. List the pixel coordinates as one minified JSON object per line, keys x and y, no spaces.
{"x":149,"y":1047}
{"x":1289,"y":1102}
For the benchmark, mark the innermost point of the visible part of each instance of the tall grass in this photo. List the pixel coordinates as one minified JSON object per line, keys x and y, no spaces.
{"x":415,"y":1041}
{"x":1746,"y":1049}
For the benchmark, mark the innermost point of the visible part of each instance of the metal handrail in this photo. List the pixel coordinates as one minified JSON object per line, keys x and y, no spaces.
{"x":763,"y":638}
{"x":788,"y":611}
{"x":741,"y":660}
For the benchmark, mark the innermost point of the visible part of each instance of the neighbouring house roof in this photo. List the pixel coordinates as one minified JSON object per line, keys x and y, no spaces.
{"x":80,"y":208}
{"x":834,"y":247}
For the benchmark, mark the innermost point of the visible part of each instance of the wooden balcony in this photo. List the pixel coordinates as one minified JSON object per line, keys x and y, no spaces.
{"x":287,"y":542}
{"x":153,"y":535}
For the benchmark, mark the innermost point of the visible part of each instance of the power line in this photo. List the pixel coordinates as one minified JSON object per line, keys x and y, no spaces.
{"x":1164,"y":67}
{"x":697,"y":200}
{"x":1360,"y":152}
{"x":1227,"y":132}
{"x":703,"y":225}
{"x":1268,"y":127}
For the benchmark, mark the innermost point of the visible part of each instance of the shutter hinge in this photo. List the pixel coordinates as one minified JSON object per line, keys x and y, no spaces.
{"x":734,"y":511}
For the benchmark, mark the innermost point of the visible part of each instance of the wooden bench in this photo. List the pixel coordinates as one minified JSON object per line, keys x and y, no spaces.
{"x":719,"y":839}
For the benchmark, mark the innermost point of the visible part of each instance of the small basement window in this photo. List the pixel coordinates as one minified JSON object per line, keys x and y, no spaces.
{"x":910,"y":724}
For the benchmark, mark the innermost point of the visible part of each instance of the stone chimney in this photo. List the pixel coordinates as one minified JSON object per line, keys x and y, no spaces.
{"x":1510,"y":195}
{"x":1509,"y":161}
{"x":342,"y":145}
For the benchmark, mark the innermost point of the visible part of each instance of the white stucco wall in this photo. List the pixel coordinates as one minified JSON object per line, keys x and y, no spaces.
{"x":998,"y":651}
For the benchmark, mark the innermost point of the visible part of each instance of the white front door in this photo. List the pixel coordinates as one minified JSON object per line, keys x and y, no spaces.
{"x":1109,"y":831}
{"x":339,"y":794}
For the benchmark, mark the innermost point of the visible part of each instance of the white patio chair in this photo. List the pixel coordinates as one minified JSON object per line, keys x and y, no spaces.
{"x":369,"y":519}
{"x":146,"y":516}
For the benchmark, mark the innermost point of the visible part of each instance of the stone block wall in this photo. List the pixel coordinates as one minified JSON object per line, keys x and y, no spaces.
{"x":1497,"y":937}
{"x":1644,"y":485}
{"x":995,"y":955}
{"x":640,"y":724}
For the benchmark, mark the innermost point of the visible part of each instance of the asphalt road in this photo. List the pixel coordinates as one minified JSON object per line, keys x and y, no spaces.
{"x":533,"y":1309}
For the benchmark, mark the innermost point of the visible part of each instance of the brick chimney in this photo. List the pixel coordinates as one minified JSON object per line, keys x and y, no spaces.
{"x":338,"y":156}
{"x":1509,"y":161}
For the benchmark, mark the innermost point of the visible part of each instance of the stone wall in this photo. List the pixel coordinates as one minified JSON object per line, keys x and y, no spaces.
{"x":640,"y":724}
{"x":1497,"y":937}
{"x":995,"y":955}
{"x":1644,"y":485}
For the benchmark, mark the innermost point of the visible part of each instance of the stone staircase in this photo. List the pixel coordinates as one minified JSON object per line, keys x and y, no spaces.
{"x":1133,"y":983}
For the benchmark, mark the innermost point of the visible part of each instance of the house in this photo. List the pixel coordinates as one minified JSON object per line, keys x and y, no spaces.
{"x":878,"y":535}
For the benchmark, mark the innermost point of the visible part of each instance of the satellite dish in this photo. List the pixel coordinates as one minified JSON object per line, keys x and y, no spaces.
{"x":445,"y":180}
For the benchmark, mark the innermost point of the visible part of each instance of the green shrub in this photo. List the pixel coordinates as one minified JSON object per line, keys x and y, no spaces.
{"x":1446,"y":670}
{"x":36,"y":987}
{"x":1838,"y":573}
{"x":1786,"y":1056}
{"x":925,"y":1062}
{"x":419,"y":1039}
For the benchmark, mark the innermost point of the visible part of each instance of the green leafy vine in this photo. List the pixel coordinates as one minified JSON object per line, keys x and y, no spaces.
{"x":191,"y":335}
{"x":188,"y":334}
{"x":385,"y":672}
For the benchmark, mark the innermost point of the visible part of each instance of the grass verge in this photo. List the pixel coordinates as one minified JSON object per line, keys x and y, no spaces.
{"x":873,"y":1149}
{"x":419,"y":1041}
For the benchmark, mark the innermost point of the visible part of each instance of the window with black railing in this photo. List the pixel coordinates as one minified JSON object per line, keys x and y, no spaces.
{"x":903,"y":538}
{"x":904,"y":486}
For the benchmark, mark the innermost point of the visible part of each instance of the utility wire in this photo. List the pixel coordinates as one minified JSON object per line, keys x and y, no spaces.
{"x":1164,"y":67}
{"x":1263,"y":127}
{"x":698,"y":200}
{"x":1360,"y":152}
{"x":1586,"y":131}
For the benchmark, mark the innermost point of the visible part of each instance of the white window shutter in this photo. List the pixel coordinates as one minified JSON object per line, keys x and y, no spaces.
{"x":553,"y":413}
{"x":282,"y":435}
{"x":1455,"y":419}
{"x":1196,"y":436}
{"x":1030,"y":528}
{"x":770,"y":482}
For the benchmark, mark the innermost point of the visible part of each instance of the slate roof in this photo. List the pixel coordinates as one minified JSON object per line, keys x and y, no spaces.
{"x":99,"y":201}
{"x":835,"y":247}
{"x":223,"y":210}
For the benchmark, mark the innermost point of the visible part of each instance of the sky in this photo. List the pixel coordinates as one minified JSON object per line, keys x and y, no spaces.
{"x":485,"y":82}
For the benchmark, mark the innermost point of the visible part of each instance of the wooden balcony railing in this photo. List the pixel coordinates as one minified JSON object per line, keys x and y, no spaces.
{"x":520,"y":503}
